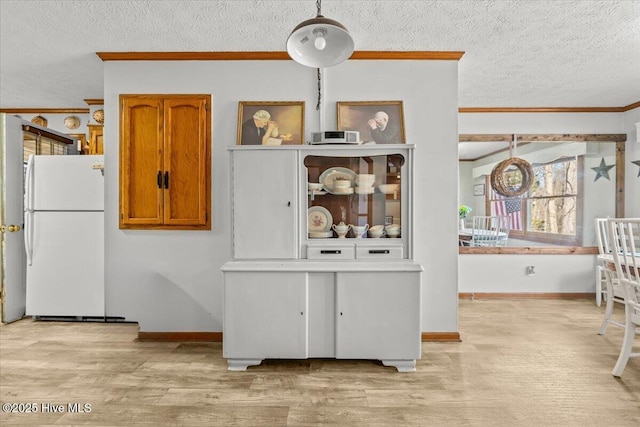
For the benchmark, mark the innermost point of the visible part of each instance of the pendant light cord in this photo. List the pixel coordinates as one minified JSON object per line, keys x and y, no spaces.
{"x":319,"y":7}
{"x":319,"y":91}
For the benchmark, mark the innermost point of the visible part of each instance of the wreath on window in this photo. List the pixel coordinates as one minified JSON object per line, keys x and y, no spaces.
{"x":507,"y":189}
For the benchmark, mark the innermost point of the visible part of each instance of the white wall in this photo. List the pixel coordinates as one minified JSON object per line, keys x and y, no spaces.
{"x":171,"y":280}
{"x":554,"y":273}
{"x":632,"y":153}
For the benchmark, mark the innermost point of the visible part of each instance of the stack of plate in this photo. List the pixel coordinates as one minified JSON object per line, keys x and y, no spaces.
{"x":329,"y":176}
{"x":320,"y":234}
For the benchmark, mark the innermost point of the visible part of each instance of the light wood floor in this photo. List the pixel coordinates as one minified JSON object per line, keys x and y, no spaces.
{"x":520,"y":363}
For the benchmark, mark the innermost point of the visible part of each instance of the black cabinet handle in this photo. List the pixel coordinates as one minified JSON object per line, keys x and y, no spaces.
{"x":159,"y":179}
{"x":379,"y":251}
{"x":288,"y":203}
{"x":326,"y":251}
{"x":166,"y":179}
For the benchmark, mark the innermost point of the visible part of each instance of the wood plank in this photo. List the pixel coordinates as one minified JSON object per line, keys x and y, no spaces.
{"x":530,"y":250}
{"x":614,"y":137}
{"x":478,"y":137}
{"x":620,"y":167}
{"x":181,"y":336}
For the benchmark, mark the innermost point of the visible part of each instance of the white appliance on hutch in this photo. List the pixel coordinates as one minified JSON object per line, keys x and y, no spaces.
{"x":64,"y":236}
{"x":296,"y":290}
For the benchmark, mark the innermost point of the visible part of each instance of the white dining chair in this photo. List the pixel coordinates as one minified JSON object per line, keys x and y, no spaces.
{"x":624,"y":239}
{"x":504,"y":227}
{"x":607,"y":283}
{"x":487,"y":230}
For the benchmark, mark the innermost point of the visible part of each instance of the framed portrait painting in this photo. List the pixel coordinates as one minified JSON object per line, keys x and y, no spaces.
{"x":381,"y":122}
{"x":270,"y":123}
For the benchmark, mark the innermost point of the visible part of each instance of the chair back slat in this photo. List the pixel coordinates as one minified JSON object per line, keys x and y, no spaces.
{"x":624,"y":240}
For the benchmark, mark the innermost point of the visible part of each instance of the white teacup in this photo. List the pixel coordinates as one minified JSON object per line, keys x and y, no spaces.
{"x":341,"y":229}
{"x":393,"y":232}
{"x":359,"y":230}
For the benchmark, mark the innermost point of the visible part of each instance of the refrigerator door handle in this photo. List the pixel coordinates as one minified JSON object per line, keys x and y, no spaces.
{"x":28,"y":236}
{"x":28,"y":184}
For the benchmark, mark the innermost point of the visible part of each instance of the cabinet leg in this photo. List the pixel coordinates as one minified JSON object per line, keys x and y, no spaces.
{"x":401,"y":365}
{"x":242,"y":364}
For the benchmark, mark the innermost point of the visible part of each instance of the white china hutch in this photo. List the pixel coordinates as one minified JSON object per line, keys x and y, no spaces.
{"x":297,"y":288}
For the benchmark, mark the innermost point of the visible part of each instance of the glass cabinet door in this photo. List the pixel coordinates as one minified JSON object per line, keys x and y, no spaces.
{"x":354,"y":197}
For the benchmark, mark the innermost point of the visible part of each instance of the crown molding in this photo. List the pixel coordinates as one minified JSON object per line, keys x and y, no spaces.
{"x":541,"y":109}
{"x":631,"y":106}
{"x":94,"y":101}
{"x":44,"y":110}
{"x":271,"y":56}
{"x":549,"y":109}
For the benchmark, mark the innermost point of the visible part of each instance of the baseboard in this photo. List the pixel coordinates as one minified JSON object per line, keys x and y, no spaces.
{"x":181,"y":336}
{"x":441,"y":336}
{"x":217,"y":336}
{"x":526,"y":295}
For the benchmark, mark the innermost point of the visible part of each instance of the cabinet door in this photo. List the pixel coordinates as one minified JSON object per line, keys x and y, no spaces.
{"x":140,"y":162}
{"x":165,"y":162}
{"x":186,"y":162}
{"x":265,"y":315}
{"x":96,"y":139}
{"x":265,"y":204}
{"x":378,"y":315}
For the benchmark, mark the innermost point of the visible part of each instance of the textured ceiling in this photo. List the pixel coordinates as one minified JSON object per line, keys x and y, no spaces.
{"x":518,"y":53}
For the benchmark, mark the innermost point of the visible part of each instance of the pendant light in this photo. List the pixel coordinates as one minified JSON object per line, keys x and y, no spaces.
{"x":320,"y":42}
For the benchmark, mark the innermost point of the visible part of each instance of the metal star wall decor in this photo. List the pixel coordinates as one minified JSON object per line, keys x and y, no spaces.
{"x":637,"y":163}
{"x":602,"y":170}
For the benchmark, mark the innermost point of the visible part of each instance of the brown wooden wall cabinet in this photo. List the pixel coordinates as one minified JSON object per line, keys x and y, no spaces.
{"x":165,"y":162}
{"x":96,"y":139}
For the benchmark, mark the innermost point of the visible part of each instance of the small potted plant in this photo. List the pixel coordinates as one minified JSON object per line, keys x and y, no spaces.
{"x":463,"y":211}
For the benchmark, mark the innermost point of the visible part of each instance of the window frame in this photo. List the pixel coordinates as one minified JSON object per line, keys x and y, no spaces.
{"x":618,"y":139}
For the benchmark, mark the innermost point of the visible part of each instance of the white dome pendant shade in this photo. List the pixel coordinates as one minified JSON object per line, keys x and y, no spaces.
{"x":320,"y":42}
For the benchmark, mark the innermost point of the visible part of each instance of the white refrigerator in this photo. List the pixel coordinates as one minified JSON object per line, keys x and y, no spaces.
{"x":64,"y":236}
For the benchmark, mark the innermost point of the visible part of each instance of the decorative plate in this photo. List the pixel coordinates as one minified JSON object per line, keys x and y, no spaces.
{"x":98,"y":116}
{"x":39,"y":120}
{"x":319,"y":219}
{"x":72,"y":122}
{"x":330,"y":175}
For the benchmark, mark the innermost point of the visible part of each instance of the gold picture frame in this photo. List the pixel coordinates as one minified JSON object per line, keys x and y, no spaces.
{"x":379,"y":121}
{"x":285,"y":118}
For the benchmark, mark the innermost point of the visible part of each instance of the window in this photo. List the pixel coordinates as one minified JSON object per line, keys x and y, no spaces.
{"x":36,"y":144}
{"x":547,"y":213}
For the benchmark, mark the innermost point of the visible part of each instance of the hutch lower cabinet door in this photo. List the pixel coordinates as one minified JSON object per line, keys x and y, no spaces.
{"x":378,"y":317}
{"x":265,"y":204}
{"x":265,"y":316}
